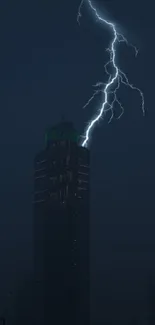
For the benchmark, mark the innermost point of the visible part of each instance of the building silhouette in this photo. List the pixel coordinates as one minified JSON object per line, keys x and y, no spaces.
{"x":61,"y":229}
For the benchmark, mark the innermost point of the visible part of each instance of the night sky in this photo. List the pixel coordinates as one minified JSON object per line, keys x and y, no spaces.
{"x":48,"y":64}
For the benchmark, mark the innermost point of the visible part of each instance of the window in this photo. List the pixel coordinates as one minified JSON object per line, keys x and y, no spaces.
{"x":41,"y":176}
{"x":41,"y":161}
{"x":39,"y":170}
{"x":86,"y":166}
{"x":82,"y":173}
{"x":82,"y":181}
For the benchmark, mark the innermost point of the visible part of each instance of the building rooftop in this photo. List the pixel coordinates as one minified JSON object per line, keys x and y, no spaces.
{"x":62,"y":131}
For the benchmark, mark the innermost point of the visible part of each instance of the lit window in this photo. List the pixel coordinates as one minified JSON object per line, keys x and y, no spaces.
{"x":82,"y":173}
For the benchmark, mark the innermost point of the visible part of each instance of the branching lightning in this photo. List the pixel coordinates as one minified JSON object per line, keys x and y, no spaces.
{"x":114,"y":81}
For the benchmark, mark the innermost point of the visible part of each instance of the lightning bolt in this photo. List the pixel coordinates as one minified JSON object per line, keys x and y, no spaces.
{"x":114,"y":81}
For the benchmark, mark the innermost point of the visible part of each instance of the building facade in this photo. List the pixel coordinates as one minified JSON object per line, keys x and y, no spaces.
{"x":61,"y":228}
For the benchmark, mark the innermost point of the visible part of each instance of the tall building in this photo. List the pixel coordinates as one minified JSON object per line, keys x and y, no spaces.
{"x":61,"y":228}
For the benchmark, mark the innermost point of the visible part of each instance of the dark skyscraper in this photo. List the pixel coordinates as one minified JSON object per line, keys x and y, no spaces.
{"x":61,"y":228}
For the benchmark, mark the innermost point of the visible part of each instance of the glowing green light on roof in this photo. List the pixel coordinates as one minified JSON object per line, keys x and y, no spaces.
{"x":64,"y":131}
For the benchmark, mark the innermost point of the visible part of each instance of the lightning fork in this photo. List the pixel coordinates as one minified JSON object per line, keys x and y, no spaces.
{"x":115,"y":80}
